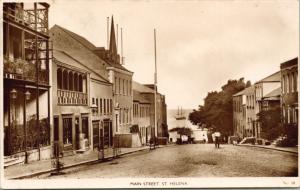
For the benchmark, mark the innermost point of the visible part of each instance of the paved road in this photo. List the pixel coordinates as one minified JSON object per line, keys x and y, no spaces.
{"x":194,"y":160}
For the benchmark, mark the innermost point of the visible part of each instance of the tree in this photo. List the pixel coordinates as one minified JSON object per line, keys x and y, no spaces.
{"x":270,"y":122}
{"x":217,"y":110}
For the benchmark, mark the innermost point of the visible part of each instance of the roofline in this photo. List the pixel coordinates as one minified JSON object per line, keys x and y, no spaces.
{"x":262,"y":80}
{"x":91,"y":70}
{"x":65,"y":30}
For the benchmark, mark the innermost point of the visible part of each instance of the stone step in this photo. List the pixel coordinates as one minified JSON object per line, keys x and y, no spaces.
{"x":10,"y":161}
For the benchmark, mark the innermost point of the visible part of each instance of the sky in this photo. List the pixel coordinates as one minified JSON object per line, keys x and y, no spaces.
{"x":200,"y":44}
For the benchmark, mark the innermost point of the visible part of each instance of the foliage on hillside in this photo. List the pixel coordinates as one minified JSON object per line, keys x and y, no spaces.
{"x":217,"y":111}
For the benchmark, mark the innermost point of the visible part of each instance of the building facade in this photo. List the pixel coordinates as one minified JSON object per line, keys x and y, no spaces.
{"x":263,"y":88}
{"x":161,"y":109}
{"x":26,"y":73}
{"x":289,"y":94}
{"x":239,"y":114}
{"x":250,"y":112}
{"x":141,"y":116}
{"x":82,"y":94}
{"x":121,"y":78}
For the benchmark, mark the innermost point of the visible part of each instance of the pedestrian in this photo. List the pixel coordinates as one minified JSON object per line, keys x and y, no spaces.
{"x":217,"y":139}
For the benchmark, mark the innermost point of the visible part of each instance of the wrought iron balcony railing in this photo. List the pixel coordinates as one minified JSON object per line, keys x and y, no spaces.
{"x":23,"y":70}
{"x":66,"y":97}
{"x":33,"y":19}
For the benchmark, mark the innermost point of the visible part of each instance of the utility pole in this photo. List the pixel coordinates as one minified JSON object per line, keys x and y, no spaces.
{"x":155,"y":89}
{"x":122,"y":58}
{"x":107,"y":23}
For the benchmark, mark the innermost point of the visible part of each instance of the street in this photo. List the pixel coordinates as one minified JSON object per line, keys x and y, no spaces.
{"x":193,"y":160}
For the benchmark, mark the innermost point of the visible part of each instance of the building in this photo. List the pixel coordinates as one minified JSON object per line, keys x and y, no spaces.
{"x":200,"y":135}
{"x":239,"y":114}
{"x":27,"y":98}
{"x":161,"y":111}
{"x":82,"y":94}
{"x":264,"y":89}
{"x":289,"y":94}
{"x":121,"y":78}
{"x":161,"y":108}
{"x":250,"y":112}
{"x":141,"y":116}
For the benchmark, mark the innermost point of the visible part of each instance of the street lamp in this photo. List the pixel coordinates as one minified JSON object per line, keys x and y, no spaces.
{"x":27,"y":97}
{"x":13,"y":94}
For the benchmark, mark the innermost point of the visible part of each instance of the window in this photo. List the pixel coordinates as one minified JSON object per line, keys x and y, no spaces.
{"x":93,"y":100}
{"x":123,"y":86}
{"x":116,"y":81}
{"x":288,"y":115}
{"x":127,"y":114}
{"x":119,"y":86}
{"x":97,"y":105}
{"x":111,"y":106}
{"x":107,"y":105}
{"x":291,"y":82}
{"x":130,"y":84}
{"x":120,"y":116}
{"x":123,"y":116}
{"x":295,"y":115}
{"x":104,"y":105}
{"x":296,"y":81}
{"x":283,"y":84}
{"x":59,"y":78}
{"x":100,"y":106}
{"x":287,"y":84}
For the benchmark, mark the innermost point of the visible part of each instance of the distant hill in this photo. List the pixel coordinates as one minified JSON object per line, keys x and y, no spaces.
{"x":172,"y":122}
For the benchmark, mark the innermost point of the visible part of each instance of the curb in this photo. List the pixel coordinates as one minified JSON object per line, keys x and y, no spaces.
{"x":94,"y":161}
{"x":270,"y":148}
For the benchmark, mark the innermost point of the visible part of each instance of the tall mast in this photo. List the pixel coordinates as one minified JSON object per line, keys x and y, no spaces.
{"x":107,"y":18}
{"x":155,"y":85}
{"x":122,"y":58}
{"x":117,"y":38}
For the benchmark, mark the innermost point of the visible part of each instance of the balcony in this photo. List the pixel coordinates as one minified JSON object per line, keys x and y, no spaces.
{"x":22,"y":70}
{"x":35,"y":17}
{"x":66,"y":97}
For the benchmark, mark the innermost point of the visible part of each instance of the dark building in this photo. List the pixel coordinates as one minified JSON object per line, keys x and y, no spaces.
{"x":26,"y":81}
{"x":147,"y":91}
{"x":289,"y":94}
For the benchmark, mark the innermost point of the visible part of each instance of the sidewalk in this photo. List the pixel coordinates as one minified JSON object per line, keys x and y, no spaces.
{"x":45,"y":166}
{"x":272,"y":147}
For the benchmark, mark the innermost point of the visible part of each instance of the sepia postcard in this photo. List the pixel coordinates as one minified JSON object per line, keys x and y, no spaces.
{"x":149,"y":94}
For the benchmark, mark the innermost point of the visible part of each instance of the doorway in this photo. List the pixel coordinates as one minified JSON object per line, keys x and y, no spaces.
{"x":67,"y":131}
{"x":77,"y":133}
{"x":96,"y":134}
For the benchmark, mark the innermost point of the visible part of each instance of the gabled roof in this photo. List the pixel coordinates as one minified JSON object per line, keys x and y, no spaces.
{"x":91,"y":47}
{"x":138,"y":97}
{"x":275,"y":77}
{"x":274,"y":93}
{"x":79,"y":38}
{"x":63,"y":57}
{"x":141,"y":88}
{"x":240,"y":93}
{"x":74,"y":48}
{"x":289,"y":63}
{"x":249,"y":90}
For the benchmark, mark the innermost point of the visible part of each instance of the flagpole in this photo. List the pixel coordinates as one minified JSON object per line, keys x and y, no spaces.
{"x":107,"y":24}
{"x":155,"y":90}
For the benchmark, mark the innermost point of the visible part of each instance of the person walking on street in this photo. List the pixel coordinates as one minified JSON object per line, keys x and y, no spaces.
{"x":217,"y":139}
